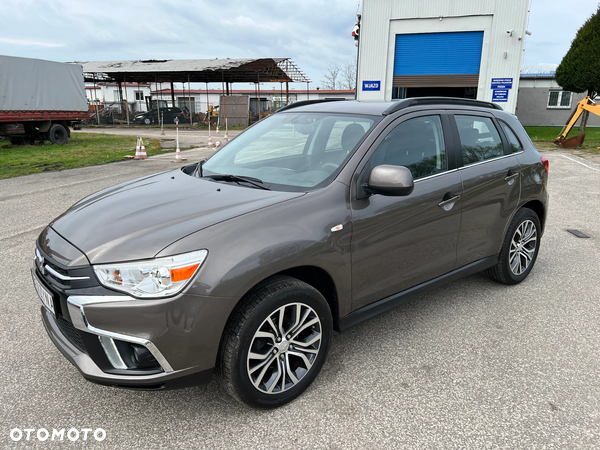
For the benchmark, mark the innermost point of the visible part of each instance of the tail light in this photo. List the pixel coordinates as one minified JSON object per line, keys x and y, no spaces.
{"x":546,"y":164}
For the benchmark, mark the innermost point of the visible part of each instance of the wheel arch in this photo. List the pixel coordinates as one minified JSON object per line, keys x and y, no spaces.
{"x":537,"y":207}
{"x":314,"y":276}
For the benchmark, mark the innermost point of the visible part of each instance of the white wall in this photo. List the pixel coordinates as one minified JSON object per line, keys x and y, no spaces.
{"x":383,"y":19}
{"x":105,"y":93}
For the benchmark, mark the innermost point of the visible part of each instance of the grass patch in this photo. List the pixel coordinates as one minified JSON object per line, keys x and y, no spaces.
{"x":548,"y":134}
{"x":83,"y":149}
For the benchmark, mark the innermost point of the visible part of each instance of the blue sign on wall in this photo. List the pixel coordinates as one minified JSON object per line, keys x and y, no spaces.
{"x":500,"y":95}
{"x":502,"y":83}
{"x":371,"y":85}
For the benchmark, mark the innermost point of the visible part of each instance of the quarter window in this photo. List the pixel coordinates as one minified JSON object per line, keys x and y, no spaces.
{"x":417,"y":144}
{"x":479,"y":139}
{"x":513,"y":140}
{"x":559,"y":99}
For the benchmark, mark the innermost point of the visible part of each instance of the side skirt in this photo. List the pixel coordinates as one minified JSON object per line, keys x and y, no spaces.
{"x":382,"y":306}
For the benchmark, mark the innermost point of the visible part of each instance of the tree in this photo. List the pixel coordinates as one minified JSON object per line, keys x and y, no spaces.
{"x":349,"y":76}
{"x":579,"y":70}
{"x":330,"y":79}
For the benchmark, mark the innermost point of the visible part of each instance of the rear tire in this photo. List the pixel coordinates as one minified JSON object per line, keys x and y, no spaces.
{"x":519,"y":250}
{"x":57,"y":134}
{"x":275,"y":343}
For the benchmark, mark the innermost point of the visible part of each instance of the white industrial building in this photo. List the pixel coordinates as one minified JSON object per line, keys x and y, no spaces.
{"x":415,"y":48}
{"x":108,"y":94}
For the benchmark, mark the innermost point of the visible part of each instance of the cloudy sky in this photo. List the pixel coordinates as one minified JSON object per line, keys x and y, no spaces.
{"x":311,"y":32}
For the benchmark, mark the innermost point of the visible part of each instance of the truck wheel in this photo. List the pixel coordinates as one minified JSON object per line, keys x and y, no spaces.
{"x":275,"y":343}
{"x":58,"y":134}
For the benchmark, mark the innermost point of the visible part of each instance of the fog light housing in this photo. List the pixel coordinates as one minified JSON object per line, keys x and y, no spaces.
{"x":142,"y":358}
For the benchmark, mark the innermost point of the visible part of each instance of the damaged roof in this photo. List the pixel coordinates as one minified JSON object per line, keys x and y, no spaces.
{"x":245,"y":70}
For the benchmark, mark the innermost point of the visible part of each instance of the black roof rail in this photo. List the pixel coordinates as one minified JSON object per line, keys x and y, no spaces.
{"x":309,"y":102}
{"x":401,"y":104}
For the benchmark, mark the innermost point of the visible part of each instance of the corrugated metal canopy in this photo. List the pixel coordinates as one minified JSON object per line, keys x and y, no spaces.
{"x":195,"y":70}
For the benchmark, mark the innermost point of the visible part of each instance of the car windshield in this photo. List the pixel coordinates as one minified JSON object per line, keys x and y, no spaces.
{"x":292,"y":151}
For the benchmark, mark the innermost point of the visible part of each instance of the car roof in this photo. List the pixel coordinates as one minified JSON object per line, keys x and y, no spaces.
{"x":378,"y":108}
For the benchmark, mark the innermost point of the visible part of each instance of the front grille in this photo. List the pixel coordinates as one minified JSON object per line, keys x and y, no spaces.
{"x":84,"y":274}
{"x":71,"y":333}
{"x":64,"y":283}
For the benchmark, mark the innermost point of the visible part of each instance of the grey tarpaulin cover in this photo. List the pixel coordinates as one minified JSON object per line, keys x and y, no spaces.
{"x":37,"y":85}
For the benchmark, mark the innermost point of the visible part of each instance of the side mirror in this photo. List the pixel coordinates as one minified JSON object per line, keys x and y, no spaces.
{"x":390,"y":180}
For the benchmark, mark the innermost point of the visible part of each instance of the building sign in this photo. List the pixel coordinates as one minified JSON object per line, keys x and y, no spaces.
{"x":371,"y":85}
{"x":500,"y":95}
{"x":502,"y":83}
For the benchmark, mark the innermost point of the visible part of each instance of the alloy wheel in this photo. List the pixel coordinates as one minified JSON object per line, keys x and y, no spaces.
{"x":284,"y":348}
{"x":522,"y":247}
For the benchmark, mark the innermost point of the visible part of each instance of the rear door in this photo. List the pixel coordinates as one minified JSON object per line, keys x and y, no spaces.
{"x":491,"y":180}
{"x":399,"y":242}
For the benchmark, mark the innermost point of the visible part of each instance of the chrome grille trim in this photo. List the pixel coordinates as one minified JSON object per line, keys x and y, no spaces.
{"x":61,"y":276}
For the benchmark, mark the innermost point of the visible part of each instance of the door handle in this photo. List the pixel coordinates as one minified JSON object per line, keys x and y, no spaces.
{"x":511,"y":177}
{"x":448,"y":204}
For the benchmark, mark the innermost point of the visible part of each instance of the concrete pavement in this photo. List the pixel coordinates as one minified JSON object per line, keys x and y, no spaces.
{"x":472,"y":365}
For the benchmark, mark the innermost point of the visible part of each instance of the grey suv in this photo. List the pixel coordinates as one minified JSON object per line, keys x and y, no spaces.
{"x":315,"y":219}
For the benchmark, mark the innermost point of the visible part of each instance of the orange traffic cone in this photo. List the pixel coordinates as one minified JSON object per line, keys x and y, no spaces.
{"x":142,"y":151}
{"x":210,"y":142}
{"x":217,"y":144}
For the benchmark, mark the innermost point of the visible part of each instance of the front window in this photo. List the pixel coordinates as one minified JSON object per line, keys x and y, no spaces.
{"x":417,"y":144}
{"x":292,"y":151}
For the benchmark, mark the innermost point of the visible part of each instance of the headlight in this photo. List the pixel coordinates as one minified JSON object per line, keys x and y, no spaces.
{"x":158,"y":277}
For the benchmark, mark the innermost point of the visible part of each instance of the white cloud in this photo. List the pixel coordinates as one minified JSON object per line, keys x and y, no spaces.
{"x":29,"y":43}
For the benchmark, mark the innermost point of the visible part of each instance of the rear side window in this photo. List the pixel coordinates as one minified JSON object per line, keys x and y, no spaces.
{"x":513,"y":140}
{"x":479,"y":139}
{"x":417,"y":144}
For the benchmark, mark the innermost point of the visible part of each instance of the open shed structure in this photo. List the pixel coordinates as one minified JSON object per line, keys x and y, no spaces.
{"x":225,"y":71}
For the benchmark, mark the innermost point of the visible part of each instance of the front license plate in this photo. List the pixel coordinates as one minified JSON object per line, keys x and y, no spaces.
{"x":44,"y":294}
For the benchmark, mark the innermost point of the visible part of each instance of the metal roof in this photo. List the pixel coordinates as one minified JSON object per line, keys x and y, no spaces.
{"x":538,"y":75}
{"x":246,"y":70}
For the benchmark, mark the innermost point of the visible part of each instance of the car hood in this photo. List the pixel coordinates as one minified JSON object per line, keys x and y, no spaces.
{"x":137,"y":219}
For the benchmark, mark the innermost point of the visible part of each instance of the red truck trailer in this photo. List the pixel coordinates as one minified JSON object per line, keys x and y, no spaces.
{"x":40,"y":100}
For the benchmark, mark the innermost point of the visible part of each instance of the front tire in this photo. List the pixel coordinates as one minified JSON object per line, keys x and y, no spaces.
{"x":519,"y":250}
{"x":275,"y":343}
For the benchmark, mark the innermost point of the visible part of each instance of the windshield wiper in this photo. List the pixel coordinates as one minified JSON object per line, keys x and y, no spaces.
{"x":237,"y":178}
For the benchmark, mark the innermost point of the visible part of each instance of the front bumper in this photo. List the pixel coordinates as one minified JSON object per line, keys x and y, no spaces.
{"x":90,"y":370}
{"x":119,"y":340}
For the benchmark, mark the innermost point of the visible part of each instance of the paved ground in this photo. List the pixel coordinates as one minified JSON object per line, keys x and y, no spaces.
{"x":187,"y":138}
{"x":471,"y":365}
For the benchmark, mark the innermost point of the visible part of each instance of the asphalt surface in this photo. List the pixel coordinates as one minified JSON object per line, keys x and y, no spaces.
{"x":471,"y":365}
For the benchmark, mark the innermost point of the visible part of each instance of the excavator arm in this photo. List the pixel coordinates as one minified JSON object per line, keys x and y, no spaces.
{"x":587,"y":104}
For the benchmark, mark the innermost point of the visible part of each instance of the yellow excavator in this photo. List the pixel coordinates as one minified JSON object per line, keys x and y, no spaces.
{"x":587,"y":104}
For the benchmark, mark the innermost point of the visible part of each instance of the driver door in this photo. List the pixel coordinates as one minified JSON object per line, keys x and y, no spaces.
{"x":400,"y":242}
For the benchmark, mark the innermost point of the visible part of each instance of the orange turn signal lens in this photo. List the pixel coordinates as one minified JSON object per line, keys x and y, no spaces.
{"x":183,"y":273}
